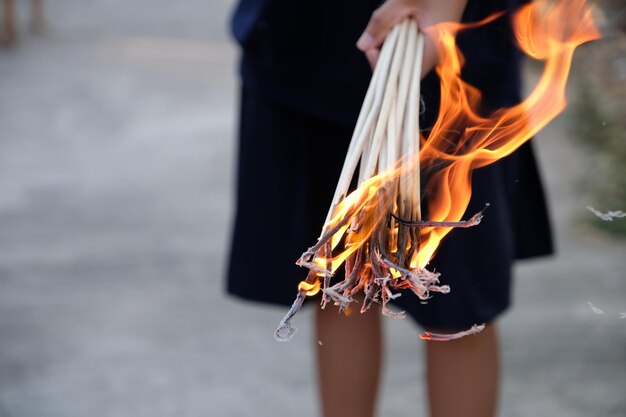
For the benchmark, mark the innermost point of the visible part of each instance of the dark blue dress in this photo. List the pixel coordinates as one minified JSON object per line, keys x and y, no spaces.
{"x":303,"y":82}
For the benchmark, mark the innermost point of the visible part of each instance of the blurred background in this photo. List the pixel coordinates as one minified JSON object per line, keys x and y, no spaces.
{"x":117,"y":140}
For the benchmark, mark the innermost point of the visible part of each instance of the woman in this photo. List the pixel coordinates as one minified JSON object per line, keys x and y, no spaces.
{"x":303,"y":83}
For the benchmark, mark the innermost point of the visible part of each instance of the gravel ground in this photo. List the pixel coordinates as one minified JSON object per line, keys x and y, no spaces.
{"x":116,"y":175}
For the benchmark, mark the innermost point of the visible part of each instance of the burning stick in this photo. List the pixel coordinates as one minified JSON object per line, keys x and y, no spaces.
{"x":377,"y":231}
{"x":473,"y":221}
{"x":380,"y":246}
{"x":444,"y":337}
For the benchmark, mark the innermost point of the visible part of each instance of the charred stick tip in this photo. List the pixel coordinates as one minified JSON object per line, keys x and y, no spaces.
{"x":472,"y":221}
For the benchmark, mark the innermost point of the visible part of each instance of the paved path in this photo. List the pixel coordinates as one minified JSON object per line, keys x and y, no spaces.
{"x":116,"y":162}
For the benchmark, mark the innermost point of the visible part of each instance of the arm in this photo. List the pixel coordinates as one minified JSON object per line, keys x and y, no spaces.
{"x":426,"y":12}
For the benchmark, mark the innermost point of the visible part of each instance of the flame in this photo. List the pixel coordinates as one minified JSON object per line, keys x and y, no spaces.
{"x":546,"y":30}
{"x":309,"y":289}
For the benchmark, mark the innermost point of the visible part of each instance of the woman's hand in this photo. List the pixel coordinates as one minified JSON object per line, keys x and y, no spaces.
{"x":427,"y":13}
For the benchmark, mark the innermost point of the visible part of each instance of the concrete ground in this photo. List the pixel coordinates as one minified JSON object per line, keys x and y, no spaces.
{"x":116,"y":174}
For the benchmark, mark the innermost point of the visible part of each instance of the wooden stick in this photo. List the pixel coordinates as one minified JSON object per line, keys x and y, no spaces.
{"x":368,"y":115}
{"x":396,"y":117}
{"x":403,"y":83}
{"x":413,"y":133}
{"x":390,"y":93}
{"x":408,"y":194}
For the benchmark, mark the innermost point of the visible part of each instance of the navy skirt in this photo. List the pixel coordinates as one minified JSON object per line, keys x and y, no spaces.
{"x":288,"y":166}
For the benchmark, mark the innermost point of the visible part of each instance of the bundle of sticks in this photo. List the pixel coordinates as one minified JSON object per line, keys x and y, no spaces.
{"x":375,"y":230}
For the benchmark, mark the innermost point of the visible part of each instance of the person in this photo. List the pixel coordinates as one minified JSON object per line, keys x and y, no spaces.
{"x":303,"y":81}
{"x":8,"y":34}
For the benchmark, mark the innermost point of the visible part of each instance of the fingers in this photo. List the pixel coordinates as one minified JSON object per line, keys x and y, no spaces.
{"x":381,"y":22}
{"x":383,"y":19}
{"x":426,"y":12}
{"x":372,"y":56}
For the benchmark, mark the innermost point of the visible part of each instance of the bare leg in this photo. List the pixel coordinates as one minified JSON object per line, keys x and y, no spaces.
{"x":8,"y":35}
{"x":349,"y":361}
{"x":463,"y":375}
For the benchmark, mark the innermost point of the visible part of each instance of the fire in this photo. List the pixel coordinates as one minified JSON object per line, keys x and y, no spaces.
{"x":373,"y":248}
{"x":545,"y":31}
{"x":309,"y":289}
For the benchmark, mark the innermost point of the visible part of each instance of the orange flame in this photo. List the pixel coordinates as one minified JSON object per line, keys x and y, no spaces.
{"x":310,"y":289}
{"x":545,"y":30}
{"x":548,"y":31}
{"x":380,"y":254}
